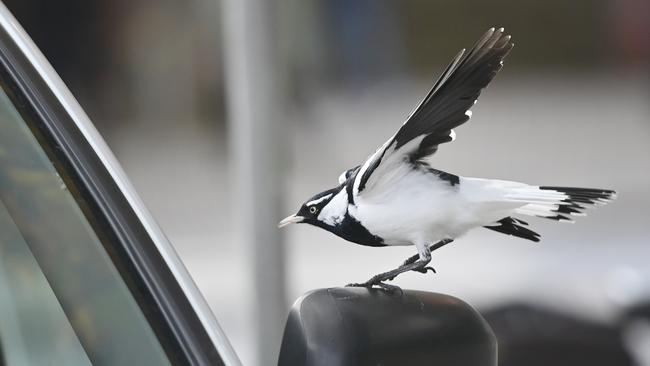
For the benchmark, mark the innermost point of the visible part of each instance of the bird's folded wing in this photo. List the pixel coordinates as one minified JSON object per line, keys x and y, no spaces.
{"x":446,"y":106}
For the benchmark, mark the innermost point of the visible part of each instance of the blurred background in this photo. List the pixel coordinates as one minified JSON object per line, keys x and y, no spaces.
{"x":179,"y":89}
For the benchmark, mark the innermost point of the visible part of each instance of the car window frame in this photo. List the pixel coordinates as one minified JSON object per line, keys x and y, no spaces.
{"x":154,"y":273}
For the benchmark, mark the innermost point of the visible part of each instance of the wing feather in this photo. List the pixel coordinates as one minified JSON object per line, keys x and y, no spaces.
{"x":457,"y":90}
{"x":446,"y":106}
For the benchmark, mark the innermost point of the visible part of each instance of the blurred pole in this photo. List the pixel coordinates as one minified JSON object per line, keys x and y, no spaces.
{"x":254,"y":100}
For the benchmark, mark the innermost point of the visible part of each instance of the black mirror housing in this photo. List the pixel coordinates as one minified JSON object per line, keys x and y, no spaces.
{"x":358,"y":326}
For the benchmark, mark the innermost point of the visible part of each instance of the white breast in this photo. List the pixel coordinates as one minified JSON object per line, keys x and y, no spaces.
{"x":415,"y":206}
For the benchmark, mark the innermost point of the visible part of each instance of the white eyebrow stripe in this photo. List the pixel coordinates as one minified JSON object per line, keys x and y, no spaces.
{"x":319,"y":200}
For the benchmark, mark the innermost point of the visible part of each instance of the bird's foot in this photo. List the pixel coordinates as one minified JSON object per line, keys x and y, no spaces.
{"x":370,"y":284}
{"x":380,"y":281}
{"x":414,"y":263}
{"x":412,"y":260}
{"x":390,"y":288}
{"x":425,"y":269}
{"x":416,"y":257}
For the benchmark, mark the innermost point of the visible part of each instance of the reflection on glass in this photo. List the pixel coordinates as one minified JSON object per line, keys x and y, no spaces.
{"x":62,"y":301}
{"x":33,"y":327}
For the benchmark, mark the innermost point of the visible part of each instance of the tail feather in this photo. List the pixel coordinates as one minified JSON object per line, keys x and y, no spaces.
{"x":590,"y":196}
{"x":560,"y":203}
{"x":554,"y":203}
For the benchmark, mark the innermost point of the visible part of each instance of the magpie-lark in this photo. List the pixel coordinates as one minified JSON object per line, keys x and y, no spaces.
{"x":396,"y":198}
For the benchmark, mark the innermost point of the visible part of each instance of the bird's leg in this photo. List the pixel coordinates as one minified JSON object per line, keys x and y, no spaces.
{"x":379,"y":279}
{"x":417,"y":265}
{"x":433,"y":247}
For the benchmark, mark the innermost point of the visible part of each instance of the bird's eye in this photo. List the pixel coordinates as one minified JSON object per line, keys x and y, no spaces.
{"x":313,"y":209}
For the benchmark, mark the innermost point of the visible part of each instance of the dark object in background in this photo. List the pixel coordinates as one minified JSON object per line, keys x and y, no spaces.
{"x":635,"y":324}
{"x":533,"y":336}
{"x":357,"y":326}
{"x":637,"y":312}
{"x":72,"y":34}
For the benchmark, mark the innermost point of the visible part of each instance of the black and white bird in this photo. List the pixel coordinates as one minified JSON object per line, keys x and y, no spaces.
{"x":396,"y":198}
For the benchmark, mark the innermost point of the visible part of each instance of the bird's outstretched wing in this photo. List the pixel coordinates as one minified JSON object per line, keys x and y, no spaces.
{"x":446,"y":106}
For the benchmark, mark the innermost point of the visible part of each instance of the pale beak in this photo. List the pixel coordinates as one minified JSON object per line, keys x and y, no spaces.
{"x":293,"y":219}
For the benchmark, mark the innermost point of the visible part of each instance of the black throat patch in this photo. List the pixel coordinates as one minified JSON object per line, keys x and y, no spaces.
{"x":350,"y":229}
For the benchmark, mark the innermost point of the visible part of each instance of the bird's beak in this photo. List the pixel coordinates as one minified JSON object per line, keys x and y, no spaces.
{"x":293,"y":219}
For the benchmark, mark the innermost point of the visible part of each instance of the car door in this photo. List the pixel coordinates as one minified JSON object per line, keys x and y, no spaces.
{"x":86,"y":275}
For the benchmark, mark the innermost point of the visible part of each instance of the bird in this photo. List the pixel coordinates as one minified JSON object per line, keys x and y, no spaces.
{"x":397,"y":198}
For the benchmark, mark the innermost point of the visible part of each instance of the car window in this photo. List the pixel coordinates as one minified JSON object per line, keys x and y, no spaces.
{"x":62,"y":300}
{"x":30,"y":315}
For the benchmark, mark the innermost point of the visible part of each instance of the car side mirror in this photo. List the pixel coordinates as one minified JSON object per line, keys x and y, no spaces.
{"x":358,"y":326}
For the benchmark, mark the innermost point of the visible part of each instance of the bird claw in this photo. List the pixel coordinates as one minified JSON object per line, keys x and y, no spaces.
{"x":423,"y":270}
{"x":390,"y":288}
{"x":370,"y":284}
{"x":426,"y":269}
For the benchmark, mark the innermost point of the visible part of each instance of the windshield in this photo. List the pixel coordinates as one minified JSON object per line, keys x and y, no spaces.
{"x":62,"y":300}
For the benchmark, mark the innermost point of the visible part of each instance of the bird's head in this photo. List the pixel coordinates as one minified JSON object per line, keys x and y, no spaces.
{"x":325,"y":209}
